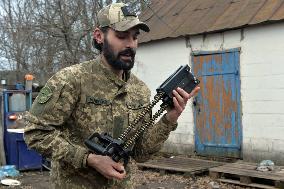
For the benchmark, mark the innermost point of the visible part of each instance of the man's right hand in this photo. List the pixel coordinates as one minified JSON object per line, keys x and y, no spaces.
{"x":106,"y":166}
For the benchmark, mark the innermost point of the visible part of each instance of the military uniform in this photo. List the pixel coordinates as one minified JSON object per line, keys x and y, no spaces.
{"x":75,"y":103}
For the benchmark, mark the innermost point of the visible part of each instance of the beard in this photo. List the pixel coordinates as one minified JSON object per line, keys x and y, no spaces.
{"x":114,"y":59}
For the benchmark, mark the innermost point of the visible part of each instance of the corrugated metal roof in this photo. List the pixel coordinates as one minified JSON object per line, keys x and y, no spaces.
{"x":174,"y":18}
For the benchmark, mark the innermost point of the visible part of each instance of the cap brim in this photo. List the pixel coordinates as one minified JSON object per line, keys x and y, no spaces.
{"x":143,"y":27}
{"x":128,"y":24}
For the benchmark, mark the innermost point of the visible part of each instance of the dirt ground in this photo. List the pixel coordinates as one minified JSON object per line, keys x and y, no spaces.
{"x":151,"y":179}
{"x":143,"y":179}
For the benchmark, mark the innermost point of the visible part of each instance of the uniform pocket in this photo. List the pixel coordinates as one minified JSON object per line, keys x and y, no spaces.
{"x":94,"y":117}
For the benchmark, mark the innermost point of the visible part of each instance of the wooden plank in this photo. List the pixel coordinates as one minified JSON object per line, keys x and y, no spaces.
{"x":248,"y":170}
{"x":280,"y":184}
{"x":170,"y":168}
{"x":175,"y":166}
{"x":251,"y":174}
{"x":246,"y":165}
{"x":241,"y":165}
{"x":215,"y":175}
{"x":246,"y":180}
{"x":181,"y":165}
{"x":277,"y":171}
{"x":187,"y":165}
{"x":255,"y":185}
{"x":183,"y":161}
{"x":247,"y":175}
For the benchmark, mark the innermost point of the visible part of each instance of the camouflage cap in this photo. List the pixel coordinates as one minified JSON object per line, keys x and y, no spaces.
{"x":120,"y":18}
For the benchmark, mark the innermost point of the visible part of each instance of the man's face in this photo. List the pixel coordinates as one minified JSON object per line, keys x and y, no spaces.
{"x":119,"y":48}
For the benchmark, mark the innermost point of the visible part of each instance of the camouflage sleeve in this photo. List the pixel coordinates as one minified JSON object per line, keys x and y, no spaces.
{"x":153,"y":139}
{"x":44,"y":122}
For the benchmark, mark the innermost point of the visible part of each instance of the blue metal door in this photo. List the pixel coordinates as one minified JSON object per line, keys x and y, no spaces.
{"x":217,"y":107}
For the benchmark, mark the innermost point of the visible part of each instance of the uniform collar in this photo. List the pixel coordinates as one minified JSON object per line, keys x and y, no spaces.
{"x":113,"y":77}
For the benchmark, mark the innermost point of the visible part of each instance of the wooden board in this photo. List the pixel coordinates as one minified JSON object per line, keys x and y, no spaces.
{"x":254,"y":185}
{"x":243,"y":173}
{"x":180,"y":164}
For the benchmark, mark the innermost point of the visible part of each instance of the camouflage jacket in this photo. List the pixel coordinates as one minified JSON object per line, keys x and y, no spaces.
{"x":78,"y":101}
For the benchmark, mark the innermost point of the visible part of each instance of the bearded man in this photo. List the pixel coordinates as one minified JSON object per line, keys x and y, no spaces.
{"x":103,"y":96}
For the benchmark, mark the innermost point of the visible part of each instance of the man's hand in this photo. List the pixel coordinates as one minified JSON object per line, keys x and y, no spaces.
{"x":106,"y":166}
{"x":180,"y":100}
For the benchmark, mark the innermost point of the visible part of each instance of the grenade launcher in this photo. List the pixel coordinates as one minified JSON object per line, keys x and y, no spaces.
{"x":119,"y":149}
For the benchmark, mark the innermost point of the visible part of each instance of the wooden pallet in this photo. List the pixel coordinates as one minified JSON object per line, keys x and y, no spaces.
{"x":188,"y":166}
{"x":245,"y":174}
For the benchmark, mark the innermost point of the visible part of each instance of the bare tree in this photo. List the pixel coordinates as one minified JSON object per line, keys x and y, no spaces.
{"x":43,"y":36}
{"x":136,"y":5}
{"x":15,"y":35}
{"x":68,"y":26}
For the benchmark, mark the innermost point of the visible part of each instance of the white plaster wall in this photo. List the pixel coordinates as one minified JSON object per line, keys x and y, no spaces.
{"x":155,"y":62}
{"x":262,"y":84}
{"x":262,"y":67}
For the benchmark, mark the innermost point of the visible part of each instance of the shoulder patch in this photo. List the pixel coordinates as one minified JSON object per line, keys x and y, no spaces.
{"x":44,"y":95}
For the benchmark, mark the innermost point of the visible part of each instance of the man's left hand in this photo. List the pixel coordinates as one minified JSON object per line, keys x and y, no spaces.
{"x":180,"y":100}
